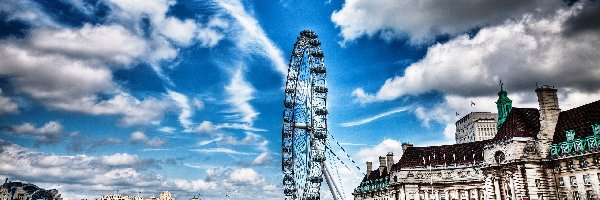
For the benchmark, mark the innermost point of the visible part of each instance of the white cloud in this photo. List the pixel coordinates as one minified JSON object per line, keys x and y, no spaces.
{"x":246,"y":176}
{"x":262,"y":158}
{"x":120,"y":159}
{"x":206,"y":127}
{"x":209,"y":127}
{"x":26,"y":11}
{"x":373,"y":118}
{"x":71,"y":171}
{"x":372,"y":154}
{"x":35,"y":64}
{"x":182,"y":32}
{"x":167,"y":129}
{"x":7,"y":105}
{"x":239,"y":126}
{"x":134,"y":111}
{"x":521,"y":53}
{"x":210,"y":35}
{"x":51,"y":132}
{"x":240,"y":92}
{"x":198,"y":103}
{"x":87,"y":176}
{"x":141,"y":137}
{"x":85,"y":57}
{"x":206,"y":142}
{"x":238,"y":183}
{"x":423,"y":20}
{"x":93,"y":42}
{"x":221,"y":150}
{"x":186,"y":109}
{"x":253,"y":38}
{"x":195,"y":185}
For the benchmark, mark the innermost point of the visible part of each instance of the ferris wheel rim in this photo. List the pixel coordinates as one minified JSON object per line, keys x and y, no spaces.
{"x":307,"y":46}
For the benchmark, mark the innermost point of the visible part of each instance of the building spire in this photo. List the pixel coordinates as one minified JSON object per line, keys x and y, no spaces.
{"x":504,"y":105}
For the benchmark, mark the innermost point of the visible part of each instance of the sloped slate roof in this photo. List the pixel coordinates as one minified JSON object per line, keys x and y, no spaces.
{"x":375,"y":174}
{"x":448,"y":154}
{"x":521,"y":122}
{"x":579,"y":119}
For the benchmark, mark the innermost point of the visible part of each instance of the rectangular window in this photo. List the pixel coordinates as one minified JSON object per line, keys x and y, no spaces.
{"x":590,"y":195}
{"x":587,"y":180}
{"x":540,"y":196}
{"x":573,"y":180}
{"x":563,"y":196}
{"x":561,"y":181}
{"x":537,"y":183}
{"x":576,"y":195}
{"x":570,"y":165}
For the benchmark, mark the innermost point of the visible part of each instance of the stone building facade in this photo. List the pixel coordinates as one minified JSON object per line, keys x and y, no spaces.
{"x":26,"y":191}
{"x":476,"y":126}
{"x":538,"y":153}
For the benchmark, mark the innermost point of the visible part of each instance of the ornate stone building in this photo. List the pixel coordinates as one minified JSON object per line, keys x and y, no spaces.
{"x":26,"y":191}
{"x":538,"y":153}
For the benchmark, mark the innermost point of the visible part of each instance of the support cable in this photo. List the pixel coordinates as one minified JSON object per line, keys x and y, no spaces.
{"x":347,"y":155}
{"x":338,"y":158}
{"x":340,"y":178}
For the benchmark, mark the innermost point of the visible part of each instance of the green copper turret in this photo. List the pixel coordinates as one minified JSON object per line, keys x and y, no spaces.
{"x":504,"y":105}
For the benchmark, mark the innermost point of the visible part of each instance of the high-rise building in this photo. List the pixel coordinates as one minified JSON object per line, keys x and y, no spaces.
{"x":476,"y":126}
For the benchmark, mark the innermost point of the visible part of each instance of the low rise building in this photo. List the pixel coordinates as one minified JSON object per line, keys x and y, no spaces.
{"x":26,"y":191}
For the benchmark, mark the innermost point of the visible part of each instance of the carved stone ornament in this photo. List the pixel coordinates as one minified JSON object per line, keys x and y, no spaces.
{"x":530,"y":149}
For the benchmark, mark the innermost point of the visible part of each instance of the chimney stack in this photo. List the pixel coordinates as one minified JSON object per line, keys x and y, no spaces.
{"x":549,"y":111}
{"x":369,"y":168}
{"x":406,"y":146}
{"x":390,"y":161}
{"x":382,"y":164}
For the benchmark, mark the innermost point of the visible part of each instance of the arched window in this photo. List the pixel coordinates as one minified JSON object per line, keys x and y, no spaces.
{"x":499,"y":157}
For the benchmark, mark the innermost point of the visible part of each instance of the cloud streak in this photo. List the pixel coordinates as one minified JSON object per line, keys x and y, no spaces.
{"x":254,"y":37}
{"x":373,"y":118}
{"x":221,"y":150}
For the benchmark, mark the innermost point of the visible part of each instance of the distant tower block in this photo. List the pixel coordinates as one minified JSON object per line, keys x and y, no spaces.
{"x":476,"y":126}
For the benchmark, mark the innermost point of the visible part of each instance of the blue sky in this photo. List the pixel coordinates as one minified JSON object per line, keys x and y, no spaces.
{"x":186,"y":96}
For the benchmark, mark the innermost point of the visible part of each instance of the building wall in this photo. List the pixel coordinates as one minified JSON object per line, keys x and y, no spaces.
{"x":572,"y":167}
{"x":476,"y":126}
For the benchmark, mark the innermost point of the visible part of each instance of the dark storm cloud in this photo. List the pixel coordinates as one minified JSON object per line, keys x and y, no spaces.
{"x":424,"y":20}
{"x":587,"y":20}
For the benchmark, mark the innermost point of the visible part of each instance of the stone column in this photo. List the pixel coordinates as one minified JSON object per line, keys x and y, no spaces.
{"x":469,"y":194}
{"x":426,"y":193}
{"x":402,"y":194}
{"x":457,"y":194}
{"x":497,"y":188}
{"x":447,"y":193}
{"x":488,"y":194}
{"x":512,"y":187}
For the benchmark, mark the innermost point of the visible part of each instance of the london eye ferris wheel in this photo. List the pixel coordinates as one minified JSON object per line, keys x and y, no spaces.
{"x":304,"y":132}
